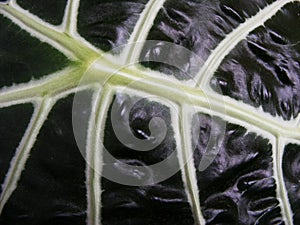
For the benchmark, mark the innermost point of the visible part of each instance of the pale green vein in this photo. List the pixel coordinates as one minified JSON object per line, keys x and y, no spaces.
{"x":51,"y":85}
{"x":278,"y":150}
{"x":18,"y":162}
{"x":94,"y":154}
{"x":70,"y":18}
{"x":187,"y":163}
{"x":232,"y":39}
{"x":69,"y":78}
{"x":179,"y":93}
{"x":46,"y":33}
{"x":158,"y":85}
{"x":135,"y":43}
{"x":142,"y":80}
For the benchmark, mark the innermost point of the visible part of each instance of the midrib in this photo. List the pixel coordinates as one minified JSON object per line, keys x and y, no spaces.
{"x":143,"y":80}
{"x":148,"y":81}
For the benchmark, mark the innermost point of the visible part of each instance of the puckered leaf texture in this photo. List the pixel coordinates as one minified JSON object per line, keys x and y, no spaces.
{"x":238,"y":187}
{"x":264,"y":69}
{"x":198,"y":26}
{"x":291,"y":170}
{"x":108,"y":23}
{"x":162,"y":203}
{"x":233,"y":99}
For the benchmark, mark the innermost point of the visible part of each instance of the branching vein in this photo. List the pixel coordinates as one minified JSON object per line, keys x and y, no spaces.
{"x":281,"y":190}
{"x":232,"y":39}
{"x":187,"y":164}
{"x":47,"y":33}
{"x":52,"y":84}
{"x":76,"y":49}
{"x":70,"y":18}
{"x":135,"y":44}
{"x":94,"y":155}
{"x":23,"y":151}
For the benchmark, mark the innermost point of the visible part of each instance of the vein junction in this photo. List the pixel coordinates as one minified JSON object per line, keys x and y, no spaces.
{"x":98,"y":67}
{"x":90,"y":66}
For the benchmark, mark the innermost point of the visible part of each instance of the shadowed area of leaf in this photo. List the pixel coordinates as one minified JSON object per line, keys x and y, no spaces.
{"x":291,"y":173}
{"x":52,"y":11}
{"x":162,"y":203}
{"x":238,"y":187}
{"x":199,"y":26}
{"x":23,"y":57}
{"x":12,"y":129}
{"x":52,"y":187}
{"x":107,"y":24}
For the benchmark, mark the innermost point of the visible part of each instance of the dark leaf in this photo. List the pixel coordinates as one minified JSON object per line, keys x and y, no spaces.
{"x":264,"y":69}
{"x":198,"y":26}
{"x":52,"y":11}
{"x":163,"y":203}
{"x":24,"y":58}
{"x":107,"y":24}
{"x":291,"y":173}
{"x":52,"y":187}
{"x":238,"y":187}
{"x":12,"y":131}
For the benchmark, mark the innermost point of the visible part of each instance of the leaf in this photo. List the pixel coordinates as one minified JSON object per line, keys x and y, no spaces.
{"x":54,"y":175}
{"x":149,"y":112}
{"x":134,"y":205}
{"x":198,"y":26}
{"x":108,"y":24}
{"x":267,"y":73}
{"x":290,"y":167}
{"x":23,"y":58}
{"x":11,"y":132}
{"x":50,"y":11}
{"x":238,"y":186}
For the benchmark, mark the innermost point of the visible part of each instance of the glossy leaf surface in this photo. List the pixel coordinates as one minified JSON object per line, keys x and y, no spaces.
{"x":218,"y":87}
